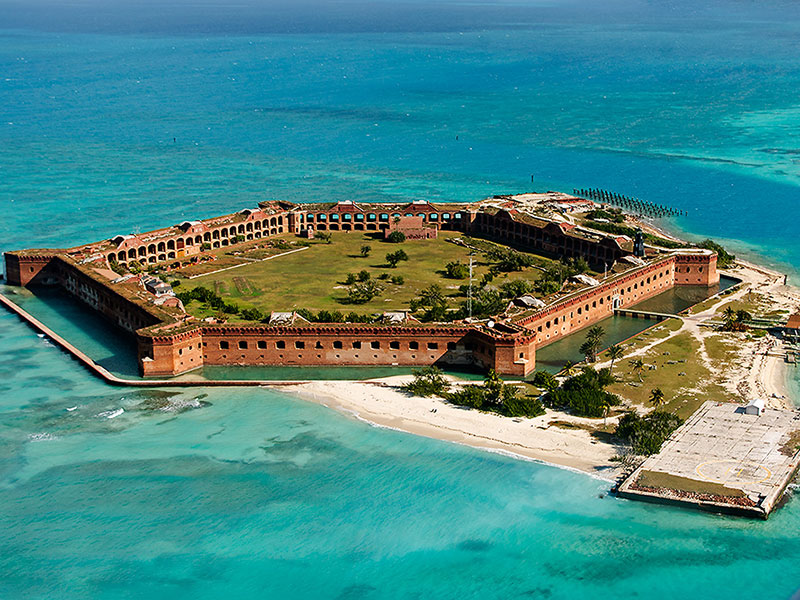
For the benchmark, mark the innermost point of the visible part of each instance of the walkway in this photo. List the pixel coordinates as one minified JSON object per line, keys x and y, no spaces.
{"x":112,"y":379}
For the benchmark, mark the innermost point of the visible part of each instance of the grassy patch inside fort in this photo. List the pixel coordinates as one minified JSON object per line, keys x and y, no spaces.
{"x":316,"y":278}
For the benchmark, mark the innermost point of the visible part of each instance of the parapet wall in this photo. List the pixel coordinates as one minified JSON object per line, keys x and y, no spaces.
{"x":334,"y":344}
{"x":598,"y":303}
{"x":696,"y":267}
{"x":510,"y":349}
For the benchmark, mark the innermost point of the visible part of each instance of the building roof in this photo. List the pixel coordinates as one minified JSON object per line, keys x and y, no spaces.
{"x":793,"y":322}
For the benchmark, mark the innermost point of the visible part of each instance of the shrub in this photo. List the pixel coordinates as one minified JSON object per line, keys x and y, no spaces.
{"x":525,"y":406}
{"x":252,"y":314}
{"x":456,"y":270}
{"x":428,"y":381}
{"x":175,"y":283}
{"x":392,"y":258}
{"x":396,"y":237}
{"x":724,"y":258}
{"x":516,"y":288}
{"x":363,"y":275}
{"x":363,"y":292}
{"x":584,"y":394}
{"x":350,"y":279}
{"x":398,"y":280}
{"x":365,"y":250}
{"x":545,"y":380}
{"x":647,"y":434}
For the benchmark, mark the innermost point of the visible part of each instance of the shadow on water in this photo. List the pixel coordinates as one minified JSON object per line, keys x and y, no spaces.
{"x":115,"y":349}
{"x":106,"y":343}
{"x":552,"y":358}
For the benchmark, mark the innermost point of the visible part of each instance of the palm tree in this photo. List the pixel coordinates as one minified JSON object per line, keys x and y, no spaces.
{"x":657,"y":398}
{"x":729,"y":315}
{"x":591,"y":346}
{"x":637,"y":366}
{"x":569,"y":368}
{"x":606,"y":409}
{"x":615,"y":352}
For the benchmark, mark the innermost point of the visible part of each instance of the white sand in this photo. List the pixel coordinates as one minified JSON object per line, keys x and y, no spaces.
{"x":762,"y":373}
{"x":382,"y":403}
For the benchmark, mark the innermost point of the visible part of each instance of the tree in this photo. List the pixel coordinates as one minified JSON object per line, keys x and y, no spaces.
{"x":456,"y":270}
{"x":392,"y":258}
{"x":365,"y":250}
{"x":545,"y":380}
{"x":657,"y":398}
{"x":594,"y":340}
{"x":428,"y":381}
{"x":350,"y":279}
{"x":252,"y":314}
{"x":432,"y":300}
{"x":324,"y":236}
{"x":396,"y":237}
{"x":637,"y":366}
{"x":364,"y":291}
{"x":363,"y":275}
{"x":516,"y":288}
{"x":615,"y":352}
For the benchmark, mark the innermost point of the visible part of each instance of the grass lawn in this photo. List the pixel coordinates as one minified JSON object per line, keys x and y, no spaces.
{"x":684,"y":379}
{"x":314,"y":278}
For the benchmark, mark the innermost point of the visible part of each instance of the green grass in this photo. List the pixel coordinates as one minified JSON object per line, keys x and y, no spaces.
{"x":686,"y":385}
{"x":314,"y":278}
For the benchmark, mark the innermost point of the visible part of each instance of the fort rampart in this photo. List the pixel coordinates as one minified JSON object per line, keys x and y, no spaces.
{"x":169,"y":343}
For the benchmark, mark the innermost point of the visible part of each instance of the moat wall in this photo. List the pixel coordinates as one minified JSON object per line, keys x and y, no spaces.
{"x":510,"y":350}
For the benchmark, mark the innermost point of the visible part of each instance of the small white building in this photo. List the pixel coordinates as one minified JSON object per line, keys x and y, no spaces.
{"x":755,"y":407}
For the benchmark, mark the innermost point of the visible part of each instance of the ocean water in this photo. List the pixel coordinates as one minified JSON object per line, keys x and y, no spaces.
{"x":122,"y":117}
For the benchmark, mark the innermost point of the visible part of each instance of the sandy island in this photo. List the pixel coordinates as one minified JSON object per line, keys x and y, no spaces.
{"x":760,"y":372}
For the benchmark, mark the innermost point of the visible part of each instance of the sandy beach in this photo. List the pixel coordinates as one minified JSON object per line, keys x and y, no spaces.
{"x":381,"y":402}
{"x":759,"y":371}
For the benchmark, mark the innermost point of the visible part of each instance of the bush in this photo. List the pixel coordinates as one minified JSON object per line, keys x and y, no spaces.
{"x":363,"y":275}
{"x":545,"y":380}
{"x":350,"y":279}
{"x":724,"y":258}
{"x":428,"y":381}
{"x":584,"y":394}
{"x":647,"y":434}
{"x":396,"y":237}
{"x":252,"y":314}
{"x":365,"y":250}
{"x":525,"y":406}
{"x":469,"y":395}
{"x":508,"y":259}
{"x":175,"y":283}
{"x":516,"y":288}
{"x":398,"y":280}
{"x":392,"y":258}
{"x":456,"y":270}
{"x":363,"y":292}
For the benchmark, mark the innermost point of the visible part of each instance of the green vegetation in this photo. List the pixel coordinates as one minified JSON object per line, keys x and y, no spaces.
{"x":593,"y":343}
{"x":654,"y":240}
{"x":362,"y":292}
{"x":724,"y":258}
{"x":392,"y":258}
{"x":208,"y":299}
{"x":456,"y":270}
{"x":432,"y":302}
{"x":615,"y":353}
{"x":325,"y":316}
{"x":545,"y":380}
{"x":251,"y":314}
{"x":428,"y":381}
{"x":396,"y":237}
{"x":316,"y":277}
{"x":735,"y":319}
{"x":365,"y":250}
{"x":612,"y":214}
{"x":508,"y":259}
{"x":646,"y":434}
{"x":496,"y":396}
{"x":584,"y":394}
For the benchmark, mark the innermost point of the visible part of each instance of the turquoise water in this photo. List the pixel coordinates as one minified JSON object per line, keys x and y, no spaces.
{"x":115,"y":118}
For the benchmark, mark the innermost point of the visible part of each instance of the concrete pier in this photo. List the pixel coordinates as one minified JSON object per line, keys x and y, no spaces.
{"x":722,"y":460}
